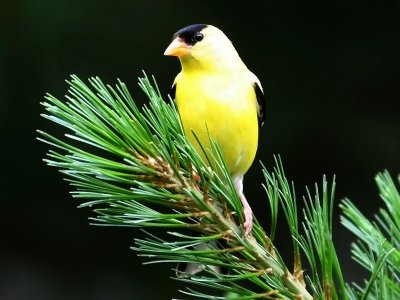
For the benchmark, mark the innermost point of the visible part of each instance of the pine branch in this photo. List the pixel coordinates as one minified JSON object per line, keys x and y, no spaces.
{"x":135,"y":168}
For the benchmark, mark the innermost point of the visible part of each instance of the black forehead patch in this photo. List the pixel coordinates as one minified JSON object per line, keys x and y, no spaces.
{"x":187,"y":33}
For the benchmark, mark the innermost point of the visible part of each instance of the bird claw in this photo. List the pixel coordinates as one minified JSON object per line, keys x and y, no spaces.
{"x":248,"y":223}
{"x":248,"y":216}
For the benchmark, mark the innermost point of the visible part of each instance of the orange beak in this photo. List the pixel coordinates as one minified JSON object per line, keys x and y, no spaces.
{"x":177,"y":48}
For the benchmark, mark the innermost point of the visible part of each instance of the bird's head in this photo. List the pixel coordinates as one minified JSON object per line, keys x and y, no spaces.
{"x":202,"y":46}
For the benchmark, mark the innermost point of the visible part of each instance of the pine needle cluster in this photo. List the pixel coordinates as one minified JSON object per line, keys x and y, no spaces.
{"x":135,"y":168}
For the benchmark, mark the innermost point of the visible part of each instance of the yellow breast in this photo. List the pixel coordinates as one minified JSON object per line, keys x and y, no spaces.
{"x":226,"y":107}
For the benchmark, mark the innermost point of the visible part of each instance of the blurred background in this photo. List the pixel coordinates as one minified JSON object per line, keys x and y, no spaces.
{"x":330,"y":71}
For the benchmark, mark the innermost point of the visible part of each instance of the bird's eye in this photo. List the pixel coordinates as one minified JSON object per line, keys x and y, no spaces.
{"x":198,"y":37}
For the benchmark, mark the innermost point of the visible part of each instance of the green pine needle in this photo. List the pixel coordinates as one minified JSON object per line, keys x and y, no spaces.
{"x":378,"y":246}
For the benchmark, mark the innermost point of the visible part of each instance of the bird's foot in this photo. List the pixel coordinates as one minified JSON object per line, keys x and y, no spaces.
{"x":248,"y":216}
{"x":248,"y":213}
{"x":248,"y":223}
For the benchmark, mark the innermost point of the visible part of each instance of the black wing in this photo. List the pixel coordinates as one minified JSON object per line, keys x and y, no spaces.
{"x":260,"y":103}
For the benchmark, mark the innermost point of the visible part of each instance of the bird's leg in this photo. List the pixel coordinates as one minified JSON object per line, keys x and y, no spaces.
{"x":248,"y":213}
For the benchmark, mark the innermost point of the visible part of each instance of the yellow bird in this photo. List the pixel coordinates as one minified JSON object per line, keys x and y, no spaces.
{"x":217,"y":95}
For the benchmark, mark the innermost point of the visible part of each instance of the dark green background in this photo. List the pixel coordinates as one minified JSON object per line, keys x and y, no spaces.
{"x":330,"y":71}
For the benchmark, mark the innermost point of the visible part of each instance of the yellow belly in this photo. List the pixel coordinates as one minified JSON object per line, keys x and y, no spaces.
{"x":227,"y":110}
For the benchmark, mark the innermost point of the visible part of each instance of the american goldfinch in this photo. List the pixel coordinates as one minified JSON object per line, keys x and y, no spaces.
{"x":218,"y":96}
